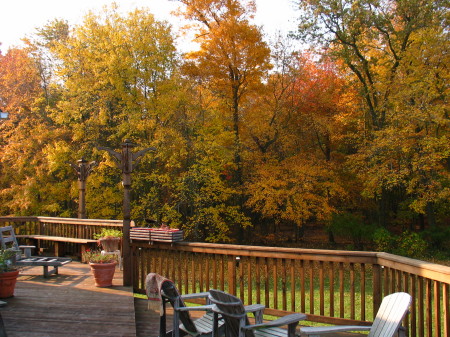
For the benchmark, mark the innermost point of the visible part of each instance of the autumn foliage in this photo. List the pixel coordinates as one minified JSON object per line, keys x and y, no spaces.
{"x":253,"y":136}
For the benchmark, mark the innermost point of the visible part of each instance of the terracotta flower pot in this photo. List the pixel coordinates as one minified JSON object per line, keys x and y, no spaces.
{"x":103,"y":273}
{"x":8,"y":283}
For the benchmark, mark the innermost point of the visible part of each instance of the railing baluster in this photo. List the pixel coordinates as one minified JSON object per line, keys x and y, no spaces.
{"x":275,"y":282}
{"x":302,"y":286}
{"x":241,"y":278}
{"x":202,"y":276}
{"x":363,"y":292}
{"x":446,"y":305}
{"x":352,"y":290}
{"x":207,"y":272}
{"x":293,"y":285}
{"x":437,"y":308}
{"x":266,"y":283}
{"x":258,"y":279}
{"x":413,"y":313}
{"x":429,"y":312}
{"x":321,"y":289}
{"x":250,"y":281}
{"x":331,"y":277}
{"x":341,"y":290}
{"x":283,"y":284}
{"x":311,"y":287}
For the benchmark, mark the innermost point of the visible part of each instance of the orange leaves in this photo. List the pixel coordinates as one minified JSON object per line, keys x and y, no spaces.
{"x":19,"y":81}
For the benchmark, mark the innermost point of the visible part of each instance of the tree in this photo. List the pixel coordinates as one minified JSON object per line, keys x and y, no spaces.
{"x":29,"y":184}
{"x":392,"y":50}
{"x":231,"y":61}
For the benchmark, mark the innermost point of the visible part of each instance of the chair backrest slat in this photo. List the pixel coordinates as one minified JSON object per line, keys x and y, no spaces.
{"x":8,"y":238}
{"x":170,"y":292}
{"x":389,"y":317}
{"x":232,"y":310}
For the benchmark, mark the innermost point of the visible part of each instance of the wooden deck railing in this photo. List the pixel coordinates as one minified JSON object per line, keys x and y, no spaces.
{"x":65,"y":227}
{"x":336,"y":287}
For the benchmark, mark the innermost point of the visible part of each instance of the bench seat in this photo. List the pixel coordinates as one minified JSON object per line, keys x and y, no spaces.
{"x":60,"y":241}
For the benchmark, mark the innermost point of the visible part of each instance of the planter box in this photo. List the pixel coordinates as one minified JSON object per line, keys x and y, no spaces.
{"x":156,"y":234}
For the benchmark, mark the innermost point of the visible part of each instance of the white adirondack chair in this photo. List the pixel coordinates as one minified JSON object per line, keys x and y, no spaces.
{"x":387,"y":322}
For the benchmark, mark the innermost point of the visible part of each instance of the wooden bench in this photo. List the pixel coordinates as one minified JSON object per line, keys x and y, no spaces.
{"x":8,"y":241}
{"x":59,"y":242}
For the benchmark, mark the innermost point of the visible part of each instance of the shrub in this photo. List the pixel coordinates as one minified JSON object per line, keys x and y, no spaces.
{"x":384,"y":240}
{"x":351,"y":226}
{"x":411,"y":245}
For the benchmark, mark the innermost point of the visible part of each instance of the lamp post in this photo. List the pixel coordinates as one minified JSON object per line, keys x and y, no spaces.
{"x":126,"y":160}
{"x":83,"y":169}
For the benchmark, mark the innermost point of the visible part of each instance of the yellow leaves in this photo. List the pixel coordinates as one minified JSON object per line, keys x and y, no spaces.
{"x":296,"y":189}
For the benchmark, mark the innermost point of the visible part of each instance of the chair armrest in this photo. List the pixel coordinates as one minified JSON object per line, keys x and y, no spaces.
{"x":199,"y":308}
{"x":318,"y":330}
{"x":286,"y":320}
{"x":195,"y":296}
{"x":254,"y":307}
{"x":257,"y":310}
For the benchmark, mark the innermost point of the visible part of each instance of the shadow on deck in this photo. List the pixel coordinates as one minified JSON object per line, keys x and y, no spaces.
{"x":68,"y":304}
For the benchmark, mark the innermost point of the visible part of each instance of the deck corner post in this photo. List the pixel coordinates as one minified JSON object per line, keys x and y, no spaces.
{"x":232,"y":275}
{"x":377,"y":295}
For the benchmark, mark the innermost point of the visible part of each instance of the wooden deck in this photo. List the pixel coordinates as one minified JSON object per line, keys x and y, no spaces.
{"x":70,"y":305}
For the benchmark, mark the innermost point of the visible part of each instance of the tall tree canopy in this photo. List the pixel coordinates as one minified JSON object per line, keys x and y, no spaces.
{"x":397,"y":52}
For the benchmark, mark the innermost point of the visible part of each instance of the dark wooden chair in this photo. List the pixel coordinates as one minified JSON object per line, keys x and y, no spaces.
{"x":183,"y":324}
{"x":8,"y":240}
{"x":237,"y":323}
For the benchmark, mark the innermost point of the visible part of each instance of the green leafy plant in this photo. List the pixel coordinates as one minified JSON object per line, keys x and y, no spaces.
{"x":352,"y":227}
{"x":95,"y":256}
{"x":108,"y":233}
{"x":384,"y":240}
{"x":7,"y":260}
{"x":411,"y":244}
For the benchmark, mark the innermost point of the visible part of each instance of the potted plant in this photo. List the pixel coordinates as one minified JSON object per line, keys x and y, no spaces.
{"x":109,"y":239}
{"x":8,"y":273}
{"x":103,"y":266}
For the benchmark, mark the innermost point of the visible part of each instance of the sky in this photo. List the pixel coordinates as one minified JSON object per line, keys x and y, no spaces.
{"x":20,"y":18}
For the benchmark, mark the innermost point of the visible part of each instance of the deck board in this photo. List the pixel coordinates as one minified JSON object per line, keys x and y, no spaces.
{"x":68,"y":304}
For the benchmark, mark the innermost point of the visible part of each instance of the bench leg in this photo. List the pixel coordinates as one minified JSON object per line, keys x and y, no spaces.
{"x":59,"y":248}
{"x":47,"y":272}
{"x":82,"y":251}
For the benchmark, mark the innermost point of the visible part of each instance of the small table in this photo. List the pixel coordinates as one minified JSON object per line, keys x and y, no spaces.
{"x":116,"y":252}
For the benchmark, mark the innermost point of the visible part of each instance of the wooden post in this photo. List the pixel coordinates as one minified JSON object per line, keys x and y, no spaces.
{"x":83,"y":169}
{"x":377,"y":296}
{"x":232,"y":274}
{"x":125,"y":161}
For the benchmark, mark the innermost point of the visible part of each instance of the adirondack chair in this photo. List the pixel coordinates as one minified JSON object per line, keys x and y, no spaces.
{"x":8,"y":240}
{"x":237,"y":323}
{"x":387,"y":322}
{"x":183,"y":324}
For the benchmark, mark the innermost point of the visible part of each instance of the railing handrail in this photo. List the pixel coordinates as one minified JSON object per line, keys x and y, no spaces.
{"x":73,"y":221}
{"x":426,"y":269}
{"x":431,"y":270}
